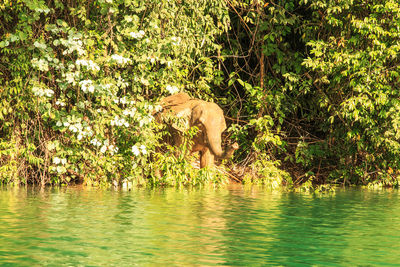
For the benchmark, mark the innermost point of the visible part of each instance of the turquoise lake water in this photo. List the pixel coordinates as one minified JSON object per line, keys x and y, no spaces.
{"x":230,"y":226}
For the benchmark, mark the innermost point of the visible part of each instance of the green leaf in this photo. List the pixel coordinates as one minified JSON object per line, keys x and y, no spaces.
{"x":4,"y":43}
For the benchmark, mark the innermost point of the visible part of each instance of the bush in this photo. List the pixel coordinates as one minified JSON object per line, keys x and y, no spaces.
{"x":80,"y":81}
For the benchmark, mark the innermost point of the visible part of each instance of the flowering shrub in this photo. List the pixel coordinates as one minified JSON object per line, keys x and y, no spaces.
{"x":84,"y":79}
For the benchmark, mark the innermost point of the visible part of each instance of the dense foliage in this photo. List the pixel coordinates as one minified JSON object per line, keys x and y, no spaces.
{"x":80,"y":79}
{"x":319,"y":82}
{"x":309,"y":88}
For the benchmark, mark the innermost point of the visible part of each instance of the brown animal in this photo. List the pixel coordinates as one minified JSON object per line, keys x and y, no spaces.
{"x":207,"y":116}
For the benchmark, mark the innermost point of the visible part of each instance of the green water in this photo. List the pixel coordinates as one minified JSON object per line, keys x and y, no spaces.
{"x":198,"y":227}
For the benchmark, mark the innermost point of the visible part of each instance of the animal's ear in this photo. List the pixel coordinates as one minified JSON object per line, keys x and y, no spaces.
{"x":198,"y":115}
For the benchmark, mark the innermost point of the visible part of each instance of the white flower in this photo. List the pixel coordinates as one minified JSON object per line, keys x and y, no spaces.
{"x":152,"y":59}
{"x":56,"y":160}
{"x":81,"y":62}
{"x":123,"y":100}
{"x":87,"y":85}
{"x":137,"y":35}
{"x":61,"y":169}
{"x":73,"y":128}
{"x":40,"y":64}
{"x":117,"y":121}
{"x":120,"y":59}
{"x":111,"y":149}
{"x":60,"y":103}
{"x":79,"y":137}
{"x":143,"y":148}
{"x":59,"y":124}
{"x":66,"y":124}
{"x":145,"y":120}
{"x":49,"y":92}
{"x":103,"y":149}
{"x":144,"y":81}
{"x":129,"y":112}
{"x":158,"y":108}
{"x":74,"y":44}
{"x":105,"y":87}
{"x":176,"y":40}
{"x":128,"y":18}
{"x":64,"y":161}
{"x":95,"y":142}
{"x":172,"y":89}
{"x":135,"y":150}
{"x":121,"y":83}
{"x":169,"y":63}
{"x":89,"y":64}
{"x":38,"y":91}
{"x":71,"y":77}
{"x":40,"y":45}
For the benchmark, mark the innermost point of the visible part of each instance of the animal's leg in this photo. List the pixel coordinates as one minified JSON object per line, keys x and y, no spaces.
{"x":206,"y":158}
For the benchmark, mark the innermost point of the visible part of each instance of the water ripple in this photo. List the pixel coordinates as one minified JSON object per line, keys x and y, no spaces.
{"x":233,"y":226}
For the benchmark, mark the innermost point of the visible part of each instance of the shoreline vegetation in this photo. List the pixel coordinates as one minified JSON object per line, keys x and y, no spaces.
{"x":309,"y":89}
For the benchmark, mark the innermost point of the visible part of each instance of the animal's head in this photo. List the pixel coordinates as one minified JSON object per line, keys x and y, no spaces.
{"x":209,"y":115}
{"x":210,"y":118}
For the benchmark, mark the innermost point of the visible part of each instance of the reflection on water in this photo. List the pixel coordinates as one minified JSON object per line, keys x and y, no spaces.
{"x":204,"y":227}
